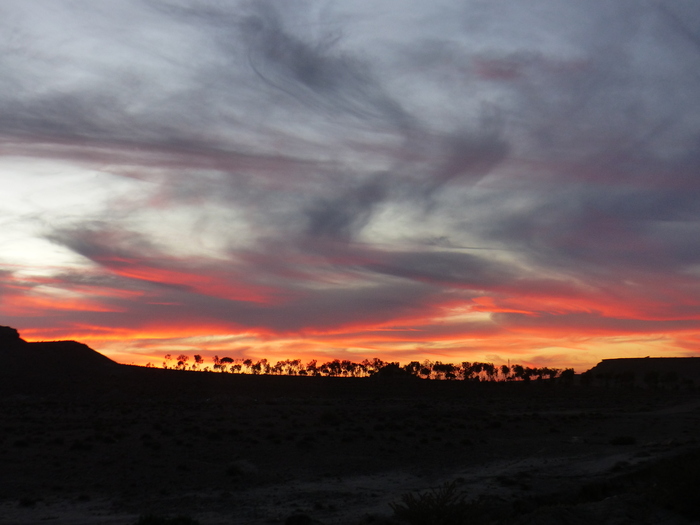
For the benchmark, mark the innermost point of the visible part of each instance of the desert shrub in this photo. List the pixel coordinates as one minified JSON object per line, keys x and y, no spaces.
{"x":448,"y":506}
{"x":442,"y":506}
{"x":150,"y":519}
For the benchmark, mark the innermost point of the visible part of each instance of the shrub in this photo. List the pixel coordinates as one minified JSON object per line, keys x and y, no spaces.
{"x":442,"y":506}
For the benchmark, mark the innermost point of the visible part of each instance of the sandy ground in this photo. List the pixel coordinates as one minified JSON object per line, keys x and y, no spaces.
{"x":254,"y":458}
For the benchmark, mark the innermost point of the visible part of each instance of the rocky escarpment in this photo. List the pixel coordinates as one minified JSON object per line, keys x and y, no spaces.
{"x":40,"y":367}
{"x":668,"y":372}
{"x":10,"y":337}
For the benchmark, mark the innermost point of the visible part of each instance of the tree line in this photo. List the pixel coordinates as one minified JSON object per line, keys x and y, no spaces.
{"x":465,"y":371}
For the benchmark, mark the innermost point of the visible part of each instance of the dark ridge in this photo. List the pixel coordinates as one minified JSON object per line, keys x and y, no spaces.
{"x":72,"y":369}
{"x":47,"y":367}
{"x":645,"y":372}
{"x":10,"y":336}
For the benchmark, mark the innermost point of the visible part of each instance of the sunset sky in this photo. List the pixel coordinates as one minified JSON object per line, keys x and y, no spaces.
{"x":458,"y":180}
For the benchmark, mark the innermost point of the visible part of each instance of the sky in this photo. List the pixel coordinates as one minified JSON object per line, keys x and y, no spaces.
{"x":458,"y":180}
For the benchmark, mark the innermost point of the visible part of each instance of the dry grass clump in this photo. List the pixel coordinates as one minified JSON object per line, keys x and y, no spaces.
{"x":445,"y":505}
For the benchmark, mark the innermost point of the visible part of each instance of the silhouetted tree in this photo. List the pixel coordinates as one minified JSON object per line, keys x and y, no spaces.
{"x":392,"y":370}
{"x":260,"y":367}
{"x":444,"y":370}
{"x":372,"y":366}
{"x":182,"y":361}
{"x":224,"y":362}
{"x":311,"y":368}
{"x":347,"y":368}
{"x":361,"y":369}
{"x":278,"y":368}
{"x":475,"y":370}
{"x":505,"y":372}
{"x":550,"y":373}
{"x":490,"y":370}
{"x":529,"y":373}
{"x":332,"y":368}
{"x":518,"y":372}
{"x":412,"y":368}
{"x":295,"y":366}
{"x":566,"y":377}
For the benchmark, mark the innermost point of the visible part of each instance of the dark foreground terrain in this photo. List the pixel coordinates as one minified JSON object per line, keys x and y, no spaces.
{"x":114,"y":443}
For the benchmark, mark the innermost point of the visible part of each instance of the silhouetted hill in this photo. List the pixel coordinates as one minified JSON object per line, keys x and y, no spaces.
{"x":10,"y":336}
{"x":72,"y":370}
{"x":646,"y":371}
{"x":61,"y":356}
{"x":69,"y":368}
{"x":41,"y":367}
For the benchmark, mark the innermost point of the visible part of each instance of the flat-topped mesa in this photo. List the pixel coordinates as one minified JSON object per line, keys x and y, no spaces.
{"x":10,"y":336}
{"x":50,"y":366}
{"x":646,"y":371}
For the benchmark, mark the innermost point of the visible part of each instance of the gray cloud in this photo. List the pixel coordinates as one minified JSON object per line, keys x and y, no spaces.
{"x":343,"y":216}
{"x":314,"y":72}
{"x":455,"y":269}
{"x":592,"y":323}
{"x":142,"y":267}
{"x":310,"y":151}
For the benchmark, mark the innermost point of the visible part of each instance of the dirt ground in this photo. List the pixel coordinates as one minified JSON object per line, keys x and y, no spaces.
{"x":254,"y":450}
